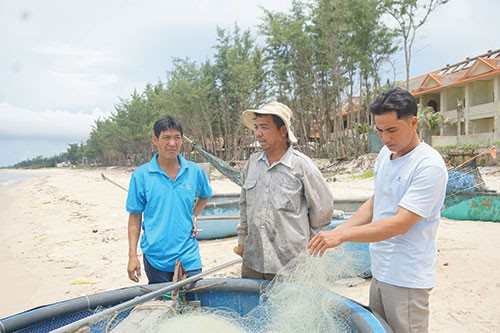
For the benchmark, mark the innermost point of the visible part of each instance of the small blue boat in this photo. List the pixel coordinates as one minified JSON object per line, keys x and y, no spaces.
{"x":224,"y":212}
{"x":220,"y":217}
{"x":237,"y":295}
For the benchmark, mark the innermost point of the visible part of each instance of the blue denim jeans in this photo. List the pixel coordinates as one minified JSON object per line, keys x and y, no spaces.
{"x":156,"y":276}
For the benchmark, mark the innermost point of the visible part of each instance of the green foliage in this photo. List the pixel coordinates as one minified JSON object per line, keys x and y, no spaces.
{"x":364,"y":175}
{"x":41,"y":162}
{"x":432,"y":118}
{"x":74,"y":153}
{"x":471,"y":145}
{"x":323,"y":58}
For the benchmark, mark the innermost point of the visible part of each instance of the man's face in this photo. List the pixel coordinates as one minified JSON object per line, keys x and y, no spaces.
{"x":396,"y":134}
{"x":168,"y":143}
{"x":267,"y":133}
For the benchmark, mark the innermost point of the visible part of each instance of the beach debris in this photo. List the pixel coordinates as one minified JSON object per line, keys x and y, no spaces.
{"x":112,"y":182}
{"x":81,"y":281}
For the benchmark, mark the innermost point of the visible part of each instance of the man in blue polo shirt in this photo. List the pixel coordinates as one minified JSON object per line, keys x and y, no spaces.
{"x":165,"y":196}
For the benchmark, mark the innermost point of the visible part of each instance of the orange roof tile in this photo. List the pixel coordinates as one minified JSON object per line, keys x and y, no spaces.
{"x":456,"y":74}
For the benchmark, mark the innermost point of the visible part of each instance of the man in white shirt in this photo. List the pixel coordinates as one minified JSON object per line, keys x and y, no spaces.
{"x":401,"y":219}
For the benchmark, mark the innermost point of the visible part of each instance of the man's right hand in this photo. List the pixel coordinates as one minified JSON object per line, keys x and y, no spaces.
{"x":134,"y":269}
{"x":239,"y":249}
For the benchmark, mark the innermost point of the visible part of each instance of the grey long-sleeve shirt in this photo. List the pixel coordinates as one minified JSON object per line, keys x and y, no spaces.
{"x":281,"y":207}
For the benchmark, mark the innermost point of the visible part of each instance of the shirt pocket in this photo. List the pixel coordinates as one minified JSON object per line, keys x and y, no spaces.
{"x":288,"y":195}
{"x":250,"y":188}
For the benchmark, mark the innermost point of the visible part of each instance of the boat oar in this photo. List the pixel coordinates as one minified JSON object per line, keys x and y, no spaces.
{"x":138,"y":300}
{"x":112,"y":182}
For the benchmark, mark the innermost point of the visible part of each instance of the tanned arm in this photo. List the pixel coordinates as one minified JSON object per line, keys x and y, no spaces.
{"x":134,"y":230}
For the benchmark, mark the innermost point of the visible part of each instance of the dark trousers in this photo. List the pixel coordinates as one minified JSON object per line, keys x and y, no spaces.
{"x":248,"y":273}
{"x":156,"y":276}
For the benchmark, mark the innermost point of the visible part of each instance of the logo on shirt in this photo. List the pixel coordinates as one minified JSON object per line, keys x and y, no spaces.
{"x":187,"y":187}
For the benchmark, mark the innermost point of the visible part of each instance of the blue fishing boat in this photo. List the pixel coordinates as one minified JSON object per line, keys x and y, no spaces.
{"x":220,"y":217}
{"x":223,"y":218}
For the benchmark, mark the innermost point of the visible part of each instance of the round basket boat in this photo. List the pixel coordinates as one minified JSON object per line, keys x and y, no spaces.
{"x":238,"y":295}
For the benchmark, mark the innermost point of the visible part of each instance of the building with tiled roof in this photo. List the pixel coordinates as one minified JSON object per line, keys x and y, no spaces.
{"x":468,"y":96}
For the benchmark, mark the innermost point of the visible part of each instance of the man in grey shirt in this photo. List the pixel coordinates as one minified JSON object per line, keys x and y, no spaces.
{"x":284,"y":199}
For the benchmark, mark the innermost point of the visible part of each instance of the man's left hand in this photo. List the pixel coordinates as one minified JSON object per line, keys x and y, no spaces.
{"x":324,"y":240}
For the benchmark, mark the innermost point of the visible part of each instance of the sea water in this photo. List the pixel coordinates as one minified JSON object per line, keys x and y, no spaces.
{"x":11,"y":178}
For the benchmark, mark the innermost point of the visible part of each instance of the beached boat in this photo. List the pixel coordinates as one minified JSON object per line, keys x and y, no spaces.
{"x":238,"y":295}
{"x":218,"y":221}
{"x":220,"y":217}
{"x":224,"y":218}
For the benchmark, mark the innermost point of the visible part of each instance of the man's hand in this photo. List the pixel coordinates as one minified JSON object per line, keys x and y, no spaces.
{"x":324,"y":240}
{"x":134,"y":269}
{"x":239,"y":250}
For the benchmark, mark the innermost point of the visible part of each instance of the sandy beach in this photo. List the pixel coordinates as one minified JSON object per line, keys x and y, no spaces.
{"x":63,"y":234}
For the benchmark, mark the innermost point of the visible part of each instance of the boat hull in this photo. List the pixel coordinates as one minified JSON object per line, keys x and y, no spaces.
{"x":238,"y":295}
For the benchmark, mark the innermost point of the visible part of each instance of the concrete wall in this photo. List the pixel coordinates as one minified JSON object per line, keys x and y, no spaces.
{"x":481,"y":92}
{"x":483,"y":125}
{"x":448,"y":140}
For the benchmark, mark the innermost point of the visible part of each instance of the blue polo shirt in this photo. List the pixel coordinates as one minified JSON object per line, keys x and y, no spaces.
{"x":167,"y":208}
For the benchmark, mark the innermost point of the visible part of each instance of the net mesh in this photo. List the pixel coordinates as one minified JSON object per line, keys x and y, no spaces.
{"x":464,"y":182}
{"x":467,"y":197}
{"x":227,"y":170}
{"x":299,"y":299}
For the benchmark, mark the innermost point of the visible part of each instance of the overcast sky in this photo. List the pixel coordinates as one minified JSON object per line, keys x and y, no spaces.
{"x":63,"y":63}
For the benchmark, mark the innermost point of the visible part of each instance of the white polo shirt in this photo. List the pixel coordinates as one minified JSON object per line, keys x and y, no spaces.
{"x":416,"y":182}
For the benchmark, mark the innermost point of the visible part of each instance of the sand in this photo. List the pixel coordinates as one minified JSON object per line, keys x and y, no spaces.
{"x":63,"y":234}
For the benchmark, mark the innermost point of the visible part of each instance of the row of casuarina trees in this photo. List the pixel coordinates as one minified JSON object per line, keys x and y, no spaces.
{"x":325,"y":59}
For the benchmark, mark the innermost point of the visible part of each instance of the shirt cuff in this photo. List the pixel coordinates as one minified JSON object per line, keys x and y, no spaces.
{"x":242,"y":239}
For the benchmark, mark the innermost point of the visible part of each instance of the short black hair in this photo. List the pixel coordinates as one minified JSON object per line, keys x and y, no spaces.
{"x":166,"y":123}
{"x":396,"y":99}
{"x":277,"y":120}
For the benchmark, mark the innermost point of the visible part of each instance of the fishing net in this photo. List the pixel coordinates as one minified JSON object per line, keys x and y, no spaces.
{"x":227,"y":170}
{"x":302,"y":298}
{"x":467,"y":197}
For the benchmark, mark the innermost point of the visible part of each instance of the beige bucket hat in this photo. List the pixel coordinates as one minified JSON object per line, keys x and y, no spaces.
{"x":276,"y":108}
